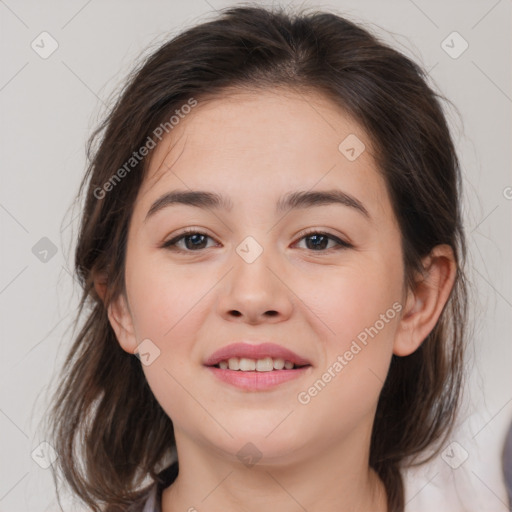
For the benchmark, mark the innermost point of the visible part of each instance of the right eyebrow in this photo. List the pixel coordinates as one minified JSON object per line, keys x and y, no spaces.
{"x":198,"y":198}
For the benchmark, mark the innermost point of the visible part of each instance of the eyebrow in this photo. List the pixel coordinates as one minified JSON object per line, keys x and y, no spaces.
{"x":292,"y":200}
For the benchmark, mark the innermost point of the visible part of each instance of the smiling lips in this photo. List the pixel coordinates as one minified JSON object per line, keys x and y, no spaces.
{"x":261,"y":352}
{"x":256,"y":367}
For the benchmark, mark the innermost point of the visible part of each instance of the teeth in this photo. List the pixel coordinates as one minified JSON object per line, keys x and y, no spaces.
{"x":233,"y":363}
{"x":266,"y":364}
{"x":247,"y":365}
{"x":278,"y":364}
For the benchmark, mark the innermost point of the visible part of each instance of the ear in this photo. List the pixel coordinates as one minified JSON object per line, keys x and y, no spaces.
{"x":425,"y":303}
{"x":121,"y":321}
{"x":119,"y":316}
{"x":100,"y":284}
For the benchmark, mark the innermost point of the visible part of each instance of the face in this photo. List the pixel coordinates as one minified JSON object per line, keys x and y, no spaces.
{"x":322,"y":278}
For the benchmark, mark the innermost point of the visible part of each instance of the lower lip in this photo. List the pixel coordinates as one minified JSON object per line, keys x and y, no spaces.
{"x":257,"y":381}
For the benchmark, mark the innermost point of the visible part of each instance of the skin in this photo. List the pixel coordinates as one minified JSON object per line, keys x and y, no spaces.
{"x":254,"y":147}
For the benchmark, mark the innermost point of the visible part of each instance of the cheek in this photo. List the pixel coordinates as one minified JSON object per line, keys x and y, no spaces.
{"x":167,"y":309}
{"x":362,"y":310}
{"x":162,"y":298}
{"x":361,"y":306}
{"x":356,"y":299}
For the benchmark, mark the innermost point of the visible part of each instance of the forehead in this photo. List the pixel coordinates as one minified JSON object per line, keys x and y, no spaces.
{"x":255,"y":142}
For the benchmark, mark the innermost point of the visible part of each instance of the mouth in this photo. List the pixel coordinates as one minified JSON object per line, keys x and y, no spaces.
{"x":263,"y":357}
{"x":266,"y":364}
{"x":256,"y":367}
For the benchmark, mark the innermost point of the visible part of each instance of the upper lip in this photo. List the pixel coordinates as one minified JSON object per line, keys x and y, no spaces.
{"x":251,"y":351}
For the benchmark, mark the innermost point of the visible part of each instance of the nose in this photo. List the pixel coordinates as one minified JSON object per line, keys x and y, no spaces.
{"x":256,"y":291}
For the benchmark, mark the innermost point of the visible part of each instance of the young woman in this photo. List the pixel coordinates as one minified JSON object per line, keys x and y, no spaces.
{"x":271,"y":253}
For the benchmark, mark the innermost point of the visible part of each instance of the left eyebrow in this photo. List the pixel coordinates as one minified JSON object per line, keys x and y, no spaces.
{"x":292,"y":200}
{"x":307,"y":199}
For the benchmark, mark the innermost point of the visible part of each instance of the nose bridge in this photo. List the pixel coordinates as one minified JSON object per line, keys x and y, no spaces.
{"x":251,"y":267}
{"x":254,"y":290}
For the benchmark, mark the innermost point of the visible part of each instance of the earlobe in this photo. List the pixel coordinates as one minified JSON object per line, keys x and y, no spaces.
{"x":121,"y":321}
{"x":425,"y":303}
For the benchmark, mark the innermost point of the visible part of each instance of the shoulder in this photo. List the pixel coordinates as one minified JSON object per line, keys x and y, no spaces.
{"x":152,"y":501}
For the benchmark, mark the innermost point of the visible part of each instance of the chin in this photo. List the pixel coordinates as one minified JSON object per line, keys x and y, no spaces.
{"x":259,"y":446}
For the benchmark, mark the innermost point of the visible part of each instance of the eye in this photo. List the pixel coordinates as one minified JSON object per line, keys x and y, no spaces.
{"x":193,"y":241}
{"x":320,"y":241}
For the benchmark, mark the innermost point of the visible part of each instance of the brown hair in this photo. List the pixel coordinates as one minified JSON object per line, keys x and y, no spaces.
{"x":104,"y":405}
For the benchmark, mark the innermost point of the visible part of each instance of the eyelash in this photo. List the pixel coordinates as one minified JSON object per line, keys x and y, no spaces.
{"x":171,"y":244}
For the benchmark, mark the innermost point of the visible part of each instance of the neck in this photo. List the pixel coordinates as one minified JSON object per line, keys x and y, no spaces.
{"x":334,"y":480}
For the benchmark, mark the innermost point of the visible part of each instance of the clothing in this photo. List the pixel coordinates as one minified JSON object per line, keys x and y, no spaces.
{"x":152,"y":502}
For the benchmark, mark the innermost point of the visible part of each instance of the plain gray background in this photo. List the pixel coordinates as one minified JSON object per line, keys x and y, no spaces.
{"x":49,"y":106}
